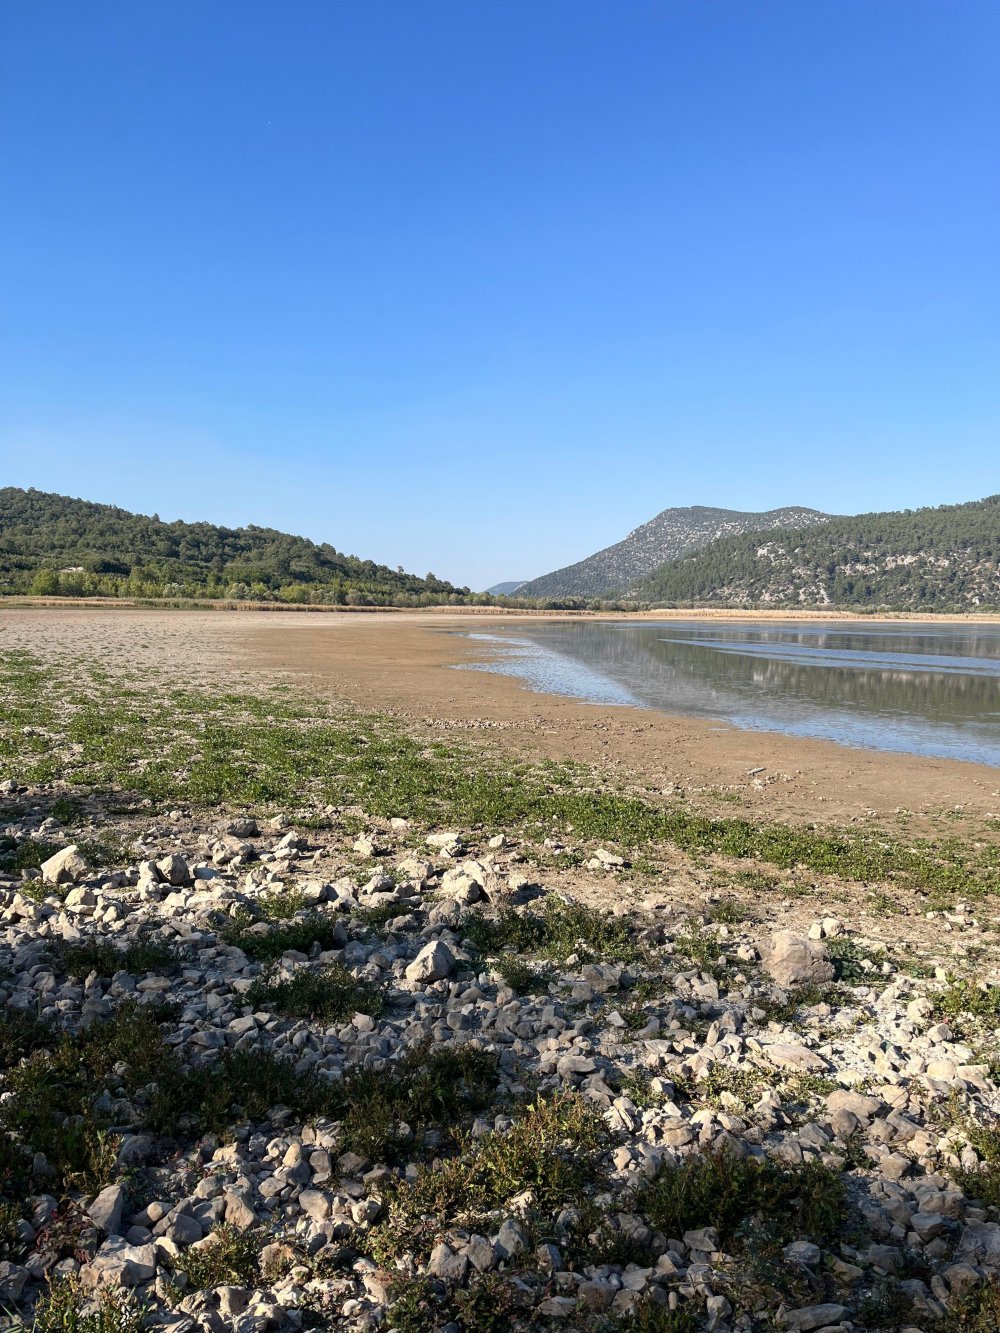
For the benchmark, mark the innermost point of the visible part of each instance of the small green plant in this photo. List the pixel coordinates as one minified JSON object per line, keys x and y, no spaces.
{"x":280,"y":904}
{"x":652,"y":1317}
{"x":28,"y":854}
{"x":559,"y":930}
{"x":106,"y":958}
{"x":233,"y":1257}
{"x":850,"y":959}
{"x":976,"y":1312}
{"x":729,"y":911}
{"x":552,"y":1148}
{"x":969,"y":999}
{"x":521,"y":977}
{"x":67,"y":810}
{"x":425,"y":1090}
{"x":298,"y":935}
{"x":331,"y":994}
{"x":66,"y":1308}
{"x":728,"y":1192}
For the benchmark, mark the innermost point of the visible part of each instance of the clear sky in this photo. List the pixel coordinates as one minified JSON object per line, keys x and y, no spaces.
{"x":476,"y":286}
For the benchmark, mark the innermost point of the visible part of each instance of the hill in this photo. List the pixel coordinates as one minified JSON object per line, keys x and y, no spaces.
{"x":53,"y":545}
{"x":670,"y":535}
{"x":947,"y":558}
{"x":505,"y":589}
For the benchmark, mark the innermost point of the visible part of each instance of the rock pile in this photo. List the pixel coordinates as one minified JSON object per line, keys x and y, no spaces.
{"x":263,"y":1077}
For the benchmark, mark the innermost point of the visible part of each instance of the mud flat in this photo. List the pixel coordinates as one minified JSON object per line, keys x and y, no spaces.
{"x":397,"y":663}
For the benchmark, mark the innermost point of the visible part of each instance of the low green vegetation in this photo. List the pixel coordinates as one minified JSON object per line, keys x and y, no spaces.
{"x":721,"y":1190}
{"x":554,"y":933}
{"x":106,"y":958}
{"x":186,"y":746}
{"x":233,"y":1259}
{"x":552,"y":1148}
{"x":298,"y":935}
{"x":58,"y":1083}
{"x":330,"y":993}
{"x":66,"y":1308}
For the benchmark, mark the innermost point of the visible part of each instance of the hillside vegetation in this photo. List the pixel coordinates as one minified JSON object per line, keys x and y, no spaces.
{"x":670,"y":535}
{"x":940,"y":559}
{"x":51,"y":545}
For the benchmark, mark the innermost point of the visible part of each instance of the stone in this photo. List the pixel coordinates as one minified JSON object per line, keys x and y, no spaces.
{"x":512,"y":1238}
{"x":803,"y":1252}
{"x":174,"y":870}
{"x":106,"y":1210}
{"x":787,"y":1056}
{"x":979,"y":1243}
{"x":432,"y":963}
{"x":810,"y":1317}
{"x":793,"y":960}
{"x":239,"y":1212}
{"x":446,"y":1264}
{"x":65,"y":866}
{"x":127,"y":1265}
{"x":316,"y":1204}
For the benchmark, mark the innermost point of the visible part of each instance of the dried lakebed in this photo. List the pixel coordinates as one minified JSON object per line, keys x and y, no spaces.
{"x":320,"y":1070}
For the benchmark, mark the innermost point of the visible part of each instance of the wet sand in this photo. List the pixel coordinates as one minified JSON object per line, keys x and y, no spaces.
{"x":397,"y":662}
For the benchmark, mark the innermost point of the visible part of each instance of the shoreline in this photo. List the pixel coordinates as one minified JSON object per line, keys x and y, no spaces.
{"x":394,"y":663}
{"x":671,"y":613}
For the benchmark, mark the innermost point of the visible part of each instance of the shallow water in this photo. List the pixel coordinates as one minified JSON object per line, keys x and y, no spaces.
{"x":917,"y":688}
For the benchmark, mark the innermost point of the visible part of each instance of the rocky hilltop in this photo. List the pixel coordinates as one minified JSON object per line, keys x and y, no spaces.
{"x":673,"y":533}
{"x":944,"y":558}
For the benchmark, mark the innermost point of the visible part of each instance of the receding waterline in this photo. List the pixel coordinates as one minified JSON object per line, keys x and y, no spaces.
{"x":917,"y":689}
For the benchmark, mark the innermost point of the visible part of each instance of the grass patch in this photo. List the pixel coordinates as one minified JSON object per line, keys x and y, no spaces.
{"x":105,"y":958}
{"x":559,"y":930}
{"x":968,"y":999}
{"x":65,"y":1307}
{"x":521,"y":977}
{"x":190,"y":747}
{"x":331,"y":994}
{"x":730,"y":1193}
{"x":298,"y":935}
{"x":386,"y":1111}
{"x":553,"y":1149}
{"x":233,"y":1259}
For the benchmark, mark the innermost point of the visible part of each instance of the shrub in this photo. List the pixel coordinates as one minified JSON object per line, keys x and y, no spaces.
{"x":332,"y":994}
{"x":728,"y":1192}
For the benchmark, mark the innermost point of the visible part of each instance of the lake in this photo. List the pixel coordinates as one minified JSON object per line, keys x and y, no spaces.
{"x":917,"y":688}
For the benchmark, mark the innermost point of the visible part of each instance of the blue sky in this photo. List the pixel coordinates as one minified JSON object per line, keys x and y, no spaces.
{"x":476,"y":287}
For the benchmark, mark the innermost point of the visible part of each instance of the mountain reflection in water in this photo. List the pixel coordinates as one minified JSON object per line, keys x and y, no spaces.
{"x":921,"y":689}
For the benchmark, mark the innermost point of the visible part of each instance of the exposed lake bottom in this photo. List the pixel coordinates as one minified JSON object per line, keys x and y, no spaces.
{"x":912,"y":688}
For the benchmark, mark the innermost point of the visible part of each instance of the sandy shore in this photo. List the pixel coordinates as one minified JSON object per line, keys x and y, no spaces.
{"x":397,"y":662}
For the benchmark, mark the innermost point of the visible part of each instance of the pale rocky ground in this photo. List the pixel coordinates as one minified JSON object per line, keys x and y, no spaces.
{"x":869,"y":1078}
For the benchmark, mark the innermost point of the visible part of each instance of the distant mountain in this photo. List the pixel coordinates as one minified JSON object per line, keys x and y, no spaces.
{"x":505,"y":589}
{"x":51,"y":545}
{"x":671,"y":534}
{"x":914,"y":559}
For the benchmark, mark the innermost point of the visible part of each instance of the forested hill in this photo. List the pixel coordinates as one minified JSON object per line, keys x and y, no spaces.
{"x":53,"y":545}
{"x":671,"y":534}
{"x":925,"y":559}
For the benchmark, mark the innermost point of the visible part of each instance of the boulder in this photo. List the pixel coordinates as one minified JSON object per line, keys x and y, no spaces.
{"x":127,"y":1265}
{"x":174,"y":869}
{"x":792,"y":960}
{"x":434,"y":961}
{"x":106,"y":1210}
{"x":65,"y":867}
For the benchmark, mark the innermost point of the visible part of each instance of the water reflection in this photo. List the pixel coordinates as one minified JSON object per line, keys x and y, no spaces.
{"x":922,"y":689}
